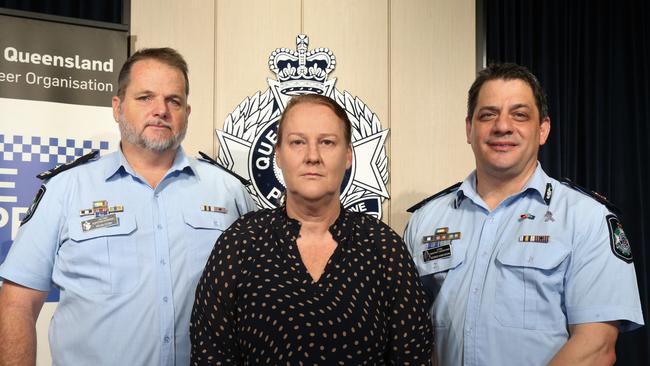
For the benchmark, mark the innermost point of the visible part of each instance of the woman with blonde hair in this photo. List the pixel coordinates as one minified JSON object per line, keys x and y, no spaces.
{"x":309,"y":282}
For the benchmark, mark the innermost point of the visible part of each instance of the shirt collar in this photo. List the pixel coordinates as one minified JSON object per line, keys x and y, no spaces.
{"x":467,"y":189}
{"x":117,"y":164}
{"x":539,"y":184}
{"x":289,"y":228}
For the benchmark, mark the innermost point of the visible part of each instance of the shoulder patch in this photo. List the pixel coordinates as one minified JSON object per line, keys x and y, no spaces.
{"x":618,"y":240}
{"x":34,"y":205}
{"x":593,"y":194}
{"x":206,"y":158}
{"x":63,"y":167}
{"x":441,"y":193}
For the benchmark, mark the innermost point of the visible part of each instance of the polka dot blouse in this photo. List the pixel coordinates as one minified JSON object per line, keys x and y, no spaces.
{"x":256,"y":304}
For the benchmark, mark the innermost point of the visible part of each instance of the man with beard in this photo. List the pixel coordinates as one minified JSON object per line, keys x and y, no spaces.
{"x":124,"y":237}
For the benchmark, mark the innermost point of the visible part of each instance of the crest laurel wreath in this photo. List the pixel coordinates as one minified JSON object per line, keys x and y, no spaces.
{"x":364,"y":123}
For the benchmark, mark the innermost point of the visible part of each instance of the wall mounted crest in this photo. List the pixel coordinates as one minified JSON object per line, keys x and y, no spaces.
{"x":249,"y":132}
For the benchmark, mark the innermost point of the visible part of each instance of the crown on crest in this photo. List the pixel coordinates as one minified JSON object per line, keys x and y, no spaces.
{"x":302,"y":71}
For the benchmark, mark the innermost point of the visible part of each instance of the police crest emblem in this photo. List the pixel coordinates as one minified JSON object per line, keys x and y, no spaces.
{"x":618,"y":240}
{"x":249,"y":132}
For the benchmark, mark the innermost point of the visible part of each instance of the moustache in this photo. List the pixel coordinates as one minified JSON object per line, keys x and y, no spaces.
{"x":158,"y":123}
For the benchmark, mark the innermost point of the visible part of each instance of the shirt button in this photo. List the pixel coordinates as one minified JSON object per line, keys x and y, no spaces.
{"x":165,"y":299}
{"x":475,"y":290}
{"x":162,"y":262}
{"x":166,"y":339}
{"x":159,"y":227}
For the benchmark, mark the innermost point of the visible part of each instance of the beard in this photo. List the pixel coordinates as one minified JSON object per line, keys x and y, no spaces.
{"x":159,"y":144}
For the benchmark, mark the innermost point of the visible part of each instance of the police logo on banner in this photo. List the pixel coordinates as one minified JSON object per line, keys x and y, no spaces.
{"x":250,"y":131}
{"x":22,"y":158}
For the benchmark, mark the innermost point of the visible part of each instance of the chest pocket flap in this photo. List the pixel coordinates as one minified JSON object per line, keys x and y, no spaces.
{"x":533,"y":255}
{"x":207,"y":220}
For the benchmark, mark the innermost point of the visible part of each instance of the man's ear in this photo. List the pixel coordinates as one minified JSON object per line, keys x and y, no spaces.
{"x":544,"y":130}
{"x":116,"y":107}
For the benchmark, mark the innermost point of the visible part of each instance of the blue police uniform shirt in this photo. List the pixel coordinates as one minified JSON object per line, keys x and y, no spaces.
{"x":505,"y":284}
{"x":127,"y":287}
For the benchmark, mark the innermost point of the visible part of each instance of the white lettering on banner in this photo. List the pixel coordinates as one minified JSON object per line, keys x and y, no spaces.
{"x":9,"y":77}
{"x":70,"y":83}
{"x":12,"y":54}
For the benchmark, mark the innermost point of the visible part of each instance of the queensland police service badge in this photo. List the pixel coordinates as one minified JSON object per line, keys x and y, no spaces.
{"x":249,"y":132}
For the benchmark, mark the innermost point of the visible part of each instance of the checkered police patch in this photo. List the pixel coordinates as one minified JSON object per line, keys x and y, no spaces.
{"x":618,"y":240}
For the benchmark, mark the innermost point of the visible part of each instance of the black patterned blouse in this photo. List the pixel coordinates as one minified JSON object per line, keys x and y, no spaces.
{"x":256,"y":304}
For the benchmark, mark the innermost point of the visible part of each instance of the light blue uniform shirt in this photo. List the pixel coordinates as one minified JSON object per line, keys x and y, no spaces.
{"x":517,"y":276}
{"x":127,"y":290}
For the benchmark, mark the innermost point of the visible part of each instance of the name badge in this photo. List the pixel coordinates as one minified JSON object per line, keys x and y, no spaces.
{"x":100,"y":222}
{"x":442,"y":251}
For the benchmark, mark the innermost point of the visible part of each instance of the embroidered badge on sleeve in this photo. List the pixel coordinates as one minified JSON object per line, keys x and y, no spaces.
{"x":34,"y":205}
{"x":618,"y":240}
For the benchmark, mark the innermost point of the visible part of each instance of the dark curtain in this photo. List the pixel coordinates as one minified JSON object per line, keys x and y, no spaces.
{"x":593,"y":59}
{"x":100,"y":10}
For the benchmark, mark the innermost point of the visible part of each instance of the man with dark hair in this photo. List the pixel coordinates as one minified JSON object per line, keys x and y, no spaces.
{"x":124,"y":237}
{"x":521,"y":269}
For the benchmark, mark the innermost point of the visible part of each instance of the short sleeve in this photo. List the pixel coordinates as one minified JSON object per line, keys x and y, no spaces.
{"x":31,"y":258}
{"x":600,"y":286}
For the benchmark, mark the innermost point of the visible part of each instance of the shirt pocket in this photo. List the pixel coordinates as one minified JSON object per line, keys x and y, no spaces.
{"x":102,"y":260}
{"x":434,"y":281}
{"x":530,"y":289}
{"x":203,"y":230}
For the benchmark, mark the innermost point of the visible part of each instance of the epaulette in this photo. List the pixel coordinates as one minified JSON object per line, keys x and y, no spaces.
{"x":441,"y":193}
{"x":63,"y":167}
{"x":205,"y":157}
{"x":593,"y":194}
